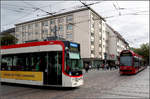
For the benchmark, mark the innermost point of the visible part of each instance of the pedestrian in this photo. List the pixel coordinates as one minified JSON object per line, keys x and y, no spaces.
{"x":103,"y":66}
{"x":98,"y":66}
{"x":111,"y":66}
{"x":86,"y":68}
{"x":106,"y":66}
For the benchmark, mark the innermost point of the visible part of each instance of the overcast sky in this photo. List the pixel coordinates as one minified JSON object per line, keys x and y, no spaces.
{"x":131,"y":21}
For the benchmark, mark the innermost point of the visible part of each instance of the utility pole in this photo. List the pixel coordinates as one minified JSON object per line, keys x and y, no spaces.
{"x":0,"y":57}
{"x":105,"y":57}
{"x":0,"y":53}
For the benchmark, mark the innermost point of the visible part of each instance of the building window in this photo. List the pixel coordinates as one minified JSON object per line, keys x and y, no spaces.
{"x":61,"y":20}
{"x":92,"y":42}
{"x":69,"y":18}
{"x":29,"y":33}
{"x":45,"y":31}
{"x":52,"y":21}
{"x":100,"y":53}
{"x":36,"y":32}
{"x":16,"y":35}
{"x":92,"y":25}
{"x":69,"y":35}
{"x":23,"y":28}
{"x":36,"y":24}
{"x":45,"y":23}
{"x":100,"y":45}
{"x":52,"y":29}
{"x":60,"y":28}
{"x":92,"y":33}
{"x":92,"y":51}
{"x":17,"y":29}
{"x":69,"y":27}
{"x":100,"y":38}
{"x":60,"y":35}
{"x":100,"y":29}
{"x":23,"y":34}
{"x":30,"y":26}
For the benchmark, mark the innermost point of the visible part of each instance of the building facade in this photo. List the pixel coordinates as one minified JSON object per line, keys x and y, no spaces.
{"x":83,"y":26}
{"x":116,"y":44}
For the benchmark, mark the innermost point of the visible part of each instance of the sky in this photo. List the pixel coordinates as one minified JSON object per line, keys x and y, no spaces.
{"x":129,"y":18}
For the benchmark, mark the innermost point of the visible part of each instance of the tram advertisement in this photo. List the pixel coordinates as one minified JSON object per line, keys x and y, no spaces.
{"x":21,"y":75}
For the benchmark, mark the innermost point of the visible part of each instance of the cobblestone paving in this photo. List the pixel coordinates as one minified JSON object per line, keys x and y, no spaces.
{"x":97,"y":84}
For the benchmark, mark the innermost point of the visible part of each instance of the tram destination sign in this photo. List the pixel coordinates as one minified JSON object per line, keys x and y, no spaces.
{"x":74,"y":47}
{"x":125,"y":54}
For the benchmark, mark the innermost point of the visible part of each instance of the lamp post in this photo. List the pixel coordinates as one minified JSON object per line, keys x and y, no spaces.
{"x":0,"y":53}
{"x":105,"y":57}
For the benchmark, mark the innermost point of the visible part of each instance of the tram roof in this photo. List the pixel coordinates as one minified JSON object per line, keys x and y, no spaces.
{"x":36,"y":43}
{"x":133,"y":53}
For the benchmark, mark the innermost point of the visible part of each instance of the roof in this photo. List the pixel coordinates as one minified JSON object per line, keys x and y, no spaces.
{"x":11,"y":30}
{"x":82,"y":9}
{"x":118,"y":34}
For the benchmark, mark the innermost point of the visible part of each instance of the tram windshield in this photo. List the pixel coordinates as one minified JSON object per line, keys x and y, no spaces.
{"x":126,"y":61}
{"x":74,"y":64}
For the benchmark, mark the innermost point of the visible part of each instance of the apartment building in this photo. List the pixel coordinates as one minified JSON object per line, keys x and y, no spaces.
{"x":116,"y":44}
{"x":83,"y":26}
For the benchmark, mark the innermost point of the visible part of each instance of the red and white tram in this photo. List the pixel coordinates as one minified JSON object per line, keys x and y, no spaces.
{"x":130,"y":62}
{"x":46,"y":63}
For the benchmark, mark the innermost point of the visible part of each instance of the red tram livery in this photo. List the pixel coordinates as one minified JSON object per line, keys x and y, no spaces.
{"x":130,"y":62}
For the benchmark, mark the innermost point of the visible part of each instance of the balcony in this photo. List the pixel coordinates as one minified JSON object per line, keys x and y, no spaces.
{"x":92,"y":38}
{"x":92,"y":47}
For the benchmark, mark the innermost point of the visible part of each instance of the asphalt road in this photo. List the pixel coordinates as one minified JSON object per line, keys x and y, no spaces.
{"x":97,"y":84}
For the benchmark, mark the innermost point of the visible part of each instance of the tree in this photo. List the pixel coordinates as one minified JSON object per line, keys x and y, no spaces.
{"x":8,"y":39}
{"x":143,"y":51}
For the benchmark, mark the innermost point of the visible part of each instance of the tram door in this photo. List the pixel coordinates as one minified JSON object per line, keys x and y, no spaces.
{"x":54,"y":68}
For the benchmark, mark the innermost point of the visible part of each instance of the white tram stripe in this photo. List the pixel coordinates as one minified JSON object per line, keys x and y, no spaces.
{"x":32,"y":49}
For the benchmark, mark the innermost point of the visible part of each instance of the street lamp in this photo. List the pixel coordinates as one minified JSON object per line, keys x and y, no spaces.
{"x":105,"y":57}
{"x":0,"y":49}
{"x":0,"y":53}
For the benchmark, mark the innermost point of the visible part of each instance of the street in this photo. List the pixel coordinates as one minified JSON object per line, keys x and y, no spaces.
{"x":97,"y":84}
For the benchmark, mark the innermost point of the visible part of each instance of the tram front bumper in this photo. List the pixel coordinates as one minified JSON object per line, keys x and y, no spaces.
{"x":77,"y":81}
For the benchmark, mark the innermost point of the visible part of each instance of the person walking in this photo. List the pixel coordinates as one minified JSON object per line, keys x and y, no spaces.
{"x":106,"y":66}
{"x":98,"y":66}
{"x":86,"y":68}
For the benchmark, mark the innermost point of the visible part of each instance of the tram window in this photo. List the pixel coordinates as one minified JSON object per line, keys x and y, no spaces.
{"x":19,"y":62}
{"x":41,"y":61}
{"x":24,"y":62}
{"x":126,"y":60}
{"x":136,"y":62}
{"x":6,"y":63}
{"x":34,"y":62}
{"x":59,"y":63}
{"x":55,"y":61}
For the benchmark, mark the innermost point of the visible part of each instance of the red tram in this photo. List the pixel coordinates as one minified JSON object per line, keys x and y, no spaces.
{"x":130,"y":62}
